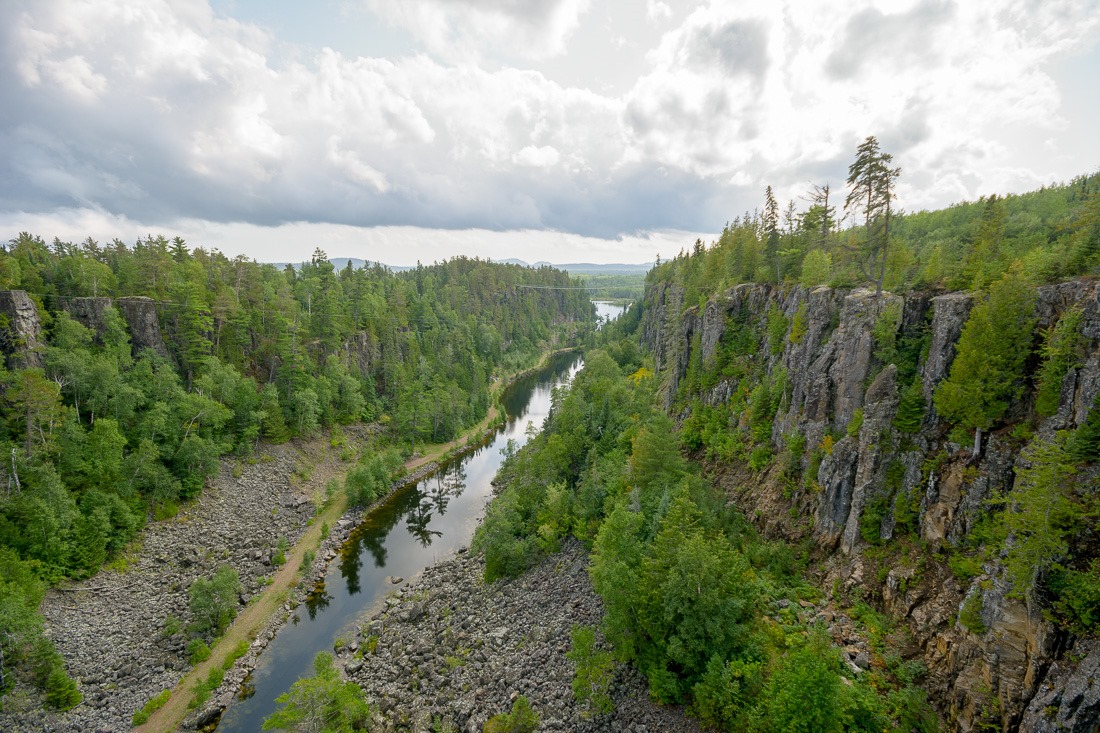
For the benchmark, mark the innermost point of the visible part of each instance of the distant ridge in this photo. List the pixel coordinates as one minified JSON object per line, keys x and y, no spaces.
{"x":575,"y":268}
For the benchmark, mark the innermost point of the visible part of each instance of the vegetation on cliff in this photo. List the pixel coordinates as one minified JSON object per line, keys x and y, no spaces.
{"x":693,"y":597}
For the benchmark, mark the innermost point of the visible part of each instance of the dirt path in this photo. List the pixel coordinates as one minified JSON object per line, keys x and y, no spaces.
{"x":257,"y":615}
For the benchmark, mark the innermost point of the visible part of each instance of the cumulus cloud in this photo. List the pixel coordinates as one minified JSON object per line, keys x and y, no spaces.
{"x":166,"y":111}
{"x":461,"y":30}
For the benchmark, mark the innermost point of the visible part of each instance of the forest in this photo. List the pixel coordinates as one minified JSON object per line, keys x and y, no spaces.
{"x":1052,"y":233}
{"x":662,"y":436}
{"x":100,"y":437}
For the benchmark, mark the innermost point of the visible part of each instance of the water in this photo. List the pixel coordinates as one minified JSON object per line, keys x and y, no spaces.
{"x":410,"y":531}
{"x":606,"y":312}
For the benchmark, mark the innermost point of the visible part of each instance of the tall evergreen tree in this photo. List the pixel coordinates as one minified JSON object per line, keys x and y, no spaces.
{"x":871,"y":181}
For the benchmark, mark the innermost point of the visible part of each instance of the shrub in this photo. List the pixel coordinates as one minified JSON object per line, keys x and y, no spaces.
{"x":320,"y":702}
{"x":1077,"y":603}
{"x":522,"y":719}
{"x":214,"y":601}
{"x":197,"y":651}
{"x":855,"y":423}
{"x":970,"y":615}
{"x":594,"y":671}
{"x":777,"y":330}
{"x":61,"y":690}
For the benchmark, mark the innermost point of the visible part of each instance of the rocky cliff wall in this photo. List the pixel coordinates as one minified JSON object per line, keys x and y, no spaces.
{"x":1019,"y":672}
{"x":20,"y":330}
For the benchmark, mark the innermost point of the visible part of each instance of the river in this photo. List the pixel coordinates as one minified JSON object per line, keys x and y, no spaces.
{"x":409,"y":531}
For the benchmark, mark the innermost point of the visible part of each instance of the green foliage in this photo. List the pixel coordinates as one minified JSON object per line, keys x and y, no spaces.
{"x":885,"y":332}
{"x":799,"y":323}
{"x":320,"y":703}
{"x":594,"y":671}
{"x":1037,"y":515}
{"x":911,"y":407}
{"x":197,"y":651}
{"x":965,"y":567}
{"x":154,"y":704}
{"x":1076,"y":597}
{"x":870,"y":521}
{"x":23,"y":641}
{"x":1060,"y":346}
{"x":1083,"y":444}
{"x":777,"y":330}
{"x":672,"y":605}
{"x":726,"y":695}
{"x":371,"y":478}
{"x":61,"y":690}
{"x":214,"y":602}
{"x":804,"y":694}
{"x":855,"y":423}
{"x":970,"y":615}
{"x":992,"y":351}
{"x":817,"y":268}
{"x":522,"y":719}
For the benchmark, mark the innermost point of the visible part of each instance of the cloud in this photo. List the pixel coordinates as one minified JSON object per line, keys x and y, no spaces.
{"x":165,"y":111}
{"x":655,"y":11}
{"x":872,"y":37}
{"x":464,"y":30}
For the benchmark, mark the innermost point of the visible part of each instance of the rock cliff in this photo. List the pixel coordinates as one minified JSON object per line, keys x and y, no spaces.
{"x":1015,"y":670}
{"x":141,"y":315}
{"x":20,"y":330}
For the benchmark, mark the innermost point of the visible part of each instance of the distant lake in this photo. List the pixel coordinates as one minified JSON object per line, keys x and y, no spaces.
{"x":607,"y":312}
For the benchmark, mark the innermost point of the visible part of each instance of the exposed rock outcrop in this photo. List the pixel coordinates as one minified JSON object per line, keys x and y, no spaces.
{"x":141,"y":316}
{"x":89,"y":312}
{"x":20,"y":334}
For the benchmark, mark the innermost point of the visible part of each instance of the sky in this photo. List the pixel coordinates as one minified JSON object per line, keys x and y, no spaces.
{"x":548,"y":130}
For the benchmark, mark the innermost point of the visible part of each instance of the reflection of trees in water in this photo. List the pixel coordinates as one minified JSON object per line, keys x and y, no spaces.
{"x":417,"y":523}
{"x":371,"y":537}
{"x":318,"y":599}
{"x":435,"y":498}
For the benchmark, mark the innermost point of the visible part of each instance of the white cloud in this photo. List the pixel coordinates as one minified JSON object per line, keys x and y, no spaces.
{"x":543,"y":156}
{"x":464,"y":30}
{"x":655,"y":10}
{"x":164,"y":111}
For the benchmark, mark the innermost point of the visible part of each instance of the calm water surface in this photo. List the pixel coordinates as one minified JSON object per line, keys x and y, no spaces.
{"x":410,"y":531}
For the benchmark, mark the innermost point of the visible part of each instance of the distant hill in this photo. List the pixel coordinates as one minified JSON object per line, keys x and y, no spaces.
{"x":574,"y":268}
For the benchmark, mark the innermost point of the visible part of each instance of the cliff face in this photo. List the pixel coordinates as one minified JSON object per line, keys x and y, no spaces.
{"x":21,"y":330}
{"x":1016,"y":672}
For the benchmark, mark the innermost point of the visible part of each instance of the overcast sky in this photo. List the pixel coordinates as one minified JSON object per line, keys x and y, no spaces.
{"x":560,"y":130}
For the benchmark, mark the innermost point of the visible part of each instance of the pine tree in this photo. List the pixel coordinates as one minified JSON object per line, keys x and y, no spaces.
{"x":871,"y":180}
{"x":771,"y":230}
{"x":991,"y":354}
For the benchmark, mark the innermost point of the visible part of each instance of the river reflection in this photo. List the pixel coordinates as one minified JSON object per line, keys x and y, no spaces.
{"x":410,"y":530}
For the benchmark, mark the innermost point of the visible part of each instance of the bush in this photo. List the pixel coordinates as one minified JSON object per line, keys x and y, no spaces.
{"x":970,"y":615}
{"x":1077,"y":603}
{"x":522,"y":719}
{"x":320,"y":702}
{"x":214,"y":601}
{"x":61,"y":690}
{"x":197,"y":651}
{"x":594,"y":671}
{"x":725,"y":697}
